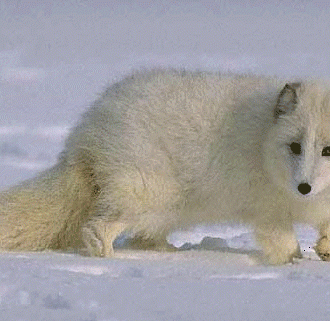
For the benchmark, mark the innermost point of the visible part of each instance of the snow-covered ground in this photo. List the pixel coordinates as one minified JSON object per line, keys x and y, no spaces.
{"x":222,"y":280}
{"x":55,"y":56}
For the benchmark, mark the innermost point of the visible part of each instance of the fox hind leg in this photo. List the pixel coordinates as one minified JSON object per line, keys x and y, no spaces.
{"x":99,"y":234}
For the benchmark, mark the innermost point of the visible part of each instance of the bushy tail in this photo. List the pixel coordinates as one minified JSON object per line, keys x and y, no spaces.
{"x":48,"y":211}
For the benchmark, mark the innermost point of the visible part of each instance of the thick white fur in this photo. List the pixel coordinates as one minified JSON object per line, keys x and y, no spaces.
{"x":164,"y":149}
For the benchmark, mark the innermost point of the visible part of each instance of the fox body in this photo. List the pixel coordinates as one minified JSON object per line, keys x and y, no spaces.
{"x":164,"y":149}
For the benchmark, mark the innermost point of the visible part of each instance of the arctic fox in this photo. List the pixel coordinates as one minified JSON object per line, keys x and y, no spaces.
{"x":164,"y":149}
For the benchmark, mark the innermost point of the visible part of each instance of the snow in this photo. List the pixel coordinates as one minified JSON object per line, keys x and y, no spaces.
{"x":145,"y":285}
{"x":214,"y":282}
{"x":55,"y":57}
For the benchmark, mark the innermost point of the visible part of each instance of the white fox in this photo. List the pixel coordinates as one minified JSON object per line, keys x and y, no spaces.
{"x":165,"y":149}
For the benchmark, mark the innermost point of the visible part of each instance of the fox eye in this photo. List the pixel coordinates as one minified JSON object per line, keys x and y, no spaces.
{"x":326,"y":151}
{"x":296,"y":148}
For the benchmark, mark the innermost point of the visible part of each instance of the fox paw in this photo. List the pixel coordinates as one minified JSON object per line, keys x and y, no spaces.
{"x":144,"y":243}
{"x":283,"y":257}
{"x":322,"y":248}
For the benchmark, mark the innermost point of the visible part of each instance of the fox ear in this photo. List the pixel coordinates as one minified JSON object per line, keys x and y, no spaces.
{"x":287,"y":100}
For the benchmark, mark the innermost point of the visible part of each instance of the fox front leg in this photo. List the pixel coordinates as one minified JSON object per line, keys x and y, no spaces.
{"x":322,"y":247}
{"x":280,"y":246}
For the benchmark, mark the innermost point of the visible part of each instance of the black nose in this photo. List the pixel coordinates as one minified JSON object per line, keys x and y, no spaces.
{"x":304,"y":188}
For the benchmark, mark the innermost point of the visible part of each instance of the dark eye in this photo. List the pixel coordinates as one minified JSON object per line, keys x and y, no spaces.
{"x":296,"y":148}
{"x":326,"y":151}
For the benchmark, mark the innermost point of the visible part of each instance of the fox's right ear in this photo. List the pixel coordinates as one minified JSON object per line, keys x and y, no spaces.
{"x":287,"y":100}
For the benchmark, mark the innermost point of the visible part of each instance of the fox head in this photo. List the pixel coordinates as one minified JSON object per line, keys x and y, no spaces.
{"x":297,"y":148}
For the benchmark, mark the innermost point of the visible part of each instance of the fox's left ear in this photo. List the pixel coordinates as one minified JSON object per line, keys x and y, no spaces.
{"x":287,"y":100}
